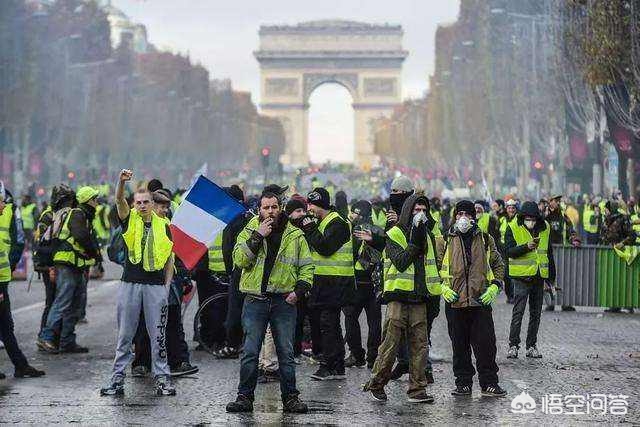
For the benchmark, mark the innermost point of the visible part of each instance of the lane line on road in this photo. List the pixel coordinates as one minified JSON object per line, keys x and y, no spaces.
{"x":41,"y":304}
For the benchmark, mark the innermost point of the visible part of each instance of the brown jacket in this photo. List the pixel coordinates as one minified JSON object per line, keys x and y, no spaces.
{"x":469,"y":279}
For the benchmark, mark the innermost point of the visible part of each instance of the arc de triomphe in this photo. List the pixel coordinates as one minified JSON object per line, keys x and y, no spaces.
{"x":294,"y":60}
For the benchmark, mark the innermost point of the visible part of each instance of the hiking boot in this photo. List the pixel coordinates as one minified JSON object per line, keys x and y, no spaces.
{"x":74,"y":348}
{"x":47,"y":346}
{"x":164,"y":387}
{"x":462,"y":390}
{"x":140,"y":371}
{"x":322,"y":374}
{"x":533,"y":353}
{"x":27,"y":372}
{"x":185,"y":368}
{"x":421,"y":397}
{"x":242,"y":404}
{"x":493,"y":391}
{"x":513,"y":352}
{"x":116,"y":388}
{"x":429,"y":376}
{"x":398,"y":371}
{"x":351,"y":362}
{"x":294,"y":405}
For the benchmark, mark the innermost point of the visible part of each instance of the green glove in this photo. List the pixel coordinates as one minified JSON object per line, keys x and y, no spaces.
{"x":449,"y":294}
{"x":489,"y":296}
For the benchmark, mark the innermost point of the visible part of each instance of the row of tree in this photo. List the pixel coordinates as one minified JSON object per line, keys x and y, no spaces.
{"x":73,"y":107}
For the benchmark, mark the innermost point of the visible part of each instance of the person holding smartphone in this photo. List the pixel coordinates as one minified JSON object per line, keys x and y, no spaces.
{"x":528,"y":246}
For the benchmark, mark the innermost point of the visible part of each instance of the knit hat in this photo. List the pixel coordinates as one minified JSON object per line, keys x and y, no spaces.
{"x":294,"y":204}
{"x":319,"y":197}
{"x":85,"y":194}
{"x":402,"y":183}
{"x":362,"y":208}
{"x":465,"y":206}
{"x":530,"y":209}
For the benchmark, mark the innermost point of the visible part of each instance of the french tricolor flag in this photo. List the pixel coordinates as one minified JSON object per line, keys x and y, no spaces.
{"x":205,"y":211}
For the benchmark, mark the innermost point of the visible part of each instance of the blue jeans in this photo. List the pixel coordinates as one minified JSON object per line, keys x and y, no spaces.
{"x":257,"y":313}
{"x":67,"y":306}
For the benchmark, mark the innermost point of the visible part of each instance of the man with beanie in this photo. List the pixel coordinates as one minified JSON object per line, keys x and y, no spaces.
{"x":531,"y":264}
{"x":329,"y":237}
{"x":410,"y":274}
{"x":401,"y":189}
{"x":472,"y":272}
{"x":11,"y":238}
{"x":367,"y":259}
{"x":75,"y":253}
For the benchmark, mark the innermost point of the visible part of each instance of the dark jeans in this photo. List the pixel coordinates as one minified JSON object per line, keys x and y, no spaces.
{"x":534,"y":292}
{"x":233,"y":323}
{"x":49,"y":296}
{"x":70,"y":295}
{"x":365,"y":299}
{"x":212,"y":330}
{"x":177,"y":349}
{"x":472,"y":328}
{"x":433,"y":310}
{"x":332,"y":342}
{"x":257,"y":313}
{"x":302,"y":311}
{"x":7,"y":335}
{"x":316,"y":332}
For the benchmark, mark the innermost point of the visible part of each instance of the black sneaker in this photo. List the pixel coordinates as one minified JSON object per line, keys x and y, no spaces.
{"x":462,"y":390}
{"x":185,"y":368}
{"x":140,"y":371}
{"x":322,"y":374}
{"x":242,"y":404}
{"x":116,"y":388}
{"x":352,"y":362}
{"x":164,"y":387}
{"x":398,"y":371}
{"x":27,"y":372}
{"x":421,"y":398}
{"x":294,"y":405}
{"x":75,"y":348}
{"x":429,"y":375}
{"x":376,"y":394}
{"x":493,"y":391}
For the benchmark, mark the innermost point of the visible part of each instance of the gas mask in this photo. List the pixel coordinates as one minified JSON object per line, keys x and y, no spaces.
{"x":419,"y":218}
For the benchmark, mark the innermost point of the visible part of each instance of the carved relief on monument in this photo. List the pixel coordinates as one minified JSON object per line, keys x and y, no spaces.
{"x":281,"y":87}
{"x":380,"y":86}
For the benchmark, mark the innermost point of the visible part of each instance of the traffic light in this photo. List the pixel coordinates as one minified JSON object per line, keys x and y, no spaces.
{"x":265,"y":157}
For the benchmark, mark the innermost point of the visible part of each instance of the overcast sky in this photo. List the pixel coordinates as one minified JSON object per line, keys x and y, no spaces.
{"x":222,"y":35}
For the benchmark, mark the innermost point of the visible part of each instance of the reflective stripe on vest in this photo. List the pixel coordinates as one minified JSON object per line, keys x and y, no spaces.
{"x":5,"y":243}
{"x":530,"y":263}
{"x":69,"y":251}
{"x":158,"y":246}
{"x":340,"y":263}
{"x":395,"y":280}
{"x":216,"y":259}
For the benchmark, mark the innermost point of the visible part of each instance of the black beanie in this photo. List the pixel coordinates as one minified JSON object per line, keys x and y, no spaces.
{"x":294,"y":204}
{"x":320,"y":198}
{"x":362,"y":208}
{"x":466,"y":206}
{"x":235,"y":192}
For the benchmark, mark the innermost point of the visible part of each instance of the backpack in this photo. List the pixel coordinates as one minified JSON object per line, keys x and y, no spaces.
{"x":116,"y":249}
{"x":49,"y":242}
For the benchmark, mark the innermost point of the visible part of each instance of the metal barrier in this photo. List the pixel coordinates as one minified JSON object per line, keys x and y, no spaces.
{"x":595,"y":276}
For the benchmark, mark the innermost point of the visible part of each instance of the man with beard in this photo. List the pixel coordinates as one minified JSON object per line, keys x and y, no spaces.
{"x":76,"y":252}
{"x":277,"y":269}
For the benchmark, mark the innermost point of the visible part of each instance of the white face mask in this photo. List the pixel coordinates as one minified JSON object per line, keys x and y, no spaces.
{"x":463,"y":224}
{"x":529,"y":224}
{"x":419,"y":218}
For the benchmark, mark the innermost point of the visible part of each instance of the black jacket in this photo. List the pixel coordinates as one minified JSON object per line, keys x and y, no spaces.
{"x":513,"y":250}
{"x":329,"y":291}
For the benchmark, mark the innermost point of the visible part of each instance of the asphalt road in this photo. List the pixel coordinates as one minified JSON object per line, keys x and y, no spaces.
{"x":585,"y":352}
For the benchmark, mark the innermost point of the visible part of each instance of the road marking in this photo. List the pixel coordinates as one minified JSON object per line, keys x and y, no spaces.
{"x":41,"y":304}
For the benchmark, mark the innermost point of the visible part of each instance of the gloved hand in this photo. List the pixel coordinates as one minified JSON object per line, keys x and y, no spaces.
{"x":449,"y":294}
{"x":419,"y":235}
{"x":489,"y":296}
